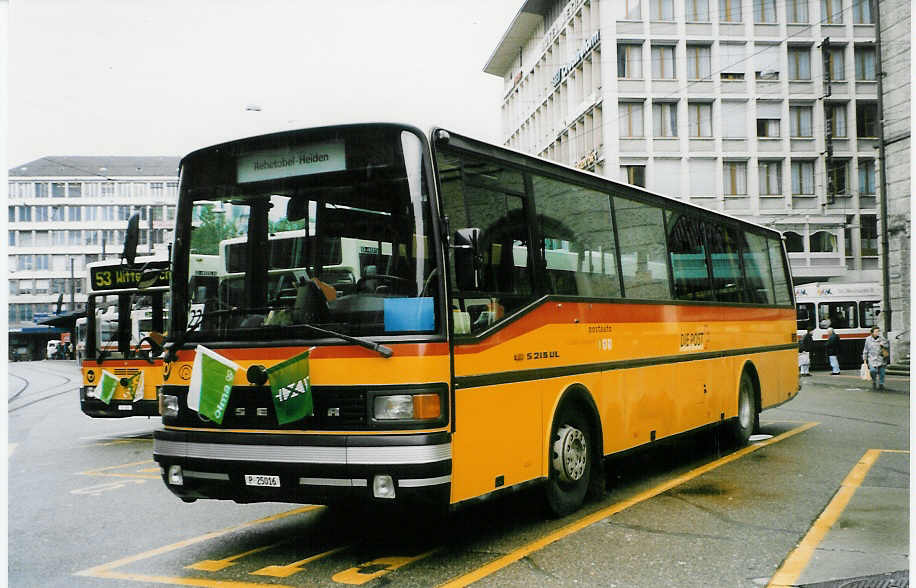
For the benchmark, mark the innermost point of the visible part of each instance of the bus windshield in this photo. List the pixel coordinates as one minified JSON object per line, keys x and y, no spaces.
{"x":328,"y":228}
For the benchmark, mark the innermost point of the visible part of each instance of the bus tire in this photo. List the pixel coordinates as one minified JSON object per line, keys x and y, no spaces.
{"x":742,"y":426}
{"x":571,"y":455}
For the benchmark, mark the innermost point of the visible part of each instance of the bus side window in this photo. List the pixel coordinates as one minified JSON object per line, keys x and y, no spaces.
{"x":487,"y":196}
{"x":641,"y":237}
{"x":576,"y":239}
{"x":869,"y":313}
{"x":687,"y":248}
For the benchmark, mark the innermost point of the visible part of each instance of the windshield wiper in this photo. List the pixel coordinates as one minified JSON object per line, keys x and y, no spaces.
{"x":382,"y":350}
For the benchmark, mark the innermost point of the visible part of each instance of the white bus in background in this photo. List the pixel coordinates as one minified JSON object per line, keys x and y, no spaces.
{"x":850,"y":309}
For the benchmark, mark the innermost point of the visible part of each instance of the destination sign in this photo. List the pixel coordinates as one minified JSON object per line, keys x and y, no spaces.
{"x":302,"y":160}
{"x":124,"y":277}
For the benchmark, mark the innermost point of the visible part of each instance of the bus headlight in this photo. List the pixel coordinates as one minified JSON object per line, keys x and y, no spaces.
{"x":168,"y":405}
{"x":90,"y":391}
{"x":407,"y":407}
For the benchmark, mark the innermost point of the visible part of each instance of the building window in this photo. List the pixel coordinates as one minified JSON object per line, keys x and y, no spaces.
{"x":25,"y":214}
{"x":838,"y":116}
{"x":699,"y":62}
{"x":862,"y":12}
{"x":803,"y":178}
{"x":90,"y":237}
{"x":799,"y":63}
{"x":735,"y":178}
{"x":766,"y":62}
{"x":697,"y":10}
{"x":831,"y":11}
{"x":631,"y":119}
{"x":867,"y":177}
{"x":729,"y":10}
{"x":58,"y":189}
{"x":12,"y":217}
{"x":838,"y":64}
{"x":661,"y":9}
{"x":800,"y":121}
{"x":74,"y":213}
{"x":42,"y":239}
{"x":629,"y":61}
{"x":700,"y":119}
{"x":865,"y":64}
{"x":58,"y":237}
{"x":769,"y":114}
{"x":91,"y":213}
{"x":123,"y":213}
{"x":41,"y":190}
{"x":12,"y":238}
{"x":663,"y":62}
{"x":770,"y":173}
{"x":25,"y":238}
{"x":75,"y":237}
{"x":157,"y":213}
{"x":108,"y":189}
{"x":41,"y":261}
{"x":764,"y":11}
{"x":635,"y":175}
{"x":734,"y":120}
{"x":731,"y":61}
{"x":664,"y":119}
{"x":869,"y":235}
{"x":836,"y":178}
{"x":768,"y":128}
{"x":631,"y":9}
{"x":823,"y":242}
{"x":74,"y":189}
{"x":57,"y":213}
{"x":866,"y":119}
{"x":797,"y":11}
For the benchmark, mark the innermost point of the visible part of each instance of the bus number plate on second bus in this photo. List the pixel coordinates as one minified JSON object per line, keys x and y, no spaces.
{"x":257,"y":480}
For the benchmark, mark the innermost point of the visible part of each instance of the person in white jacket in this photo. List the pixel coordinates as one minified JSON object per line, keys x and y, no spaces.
{"x":874,"y":354}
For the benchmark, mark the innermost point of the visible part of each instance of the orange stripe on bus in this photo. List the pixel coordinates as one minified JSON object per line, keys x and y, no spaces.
{"x":330,"y":352}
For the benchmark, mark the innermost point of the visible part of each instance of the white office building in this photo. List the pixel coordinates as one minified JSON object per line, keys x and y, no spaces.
{"x":722,"y":103}
{"x":67,"y":211}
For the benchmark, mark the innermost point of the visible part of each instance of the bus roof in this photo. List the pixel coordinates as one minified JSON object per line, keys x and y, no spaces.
{"x":507,"y":154}
{"x":838,"y":290}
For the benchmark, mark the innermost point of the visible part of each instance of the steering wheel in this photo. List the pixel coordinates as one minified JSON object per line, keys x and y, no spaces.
{"x":394,"y":280}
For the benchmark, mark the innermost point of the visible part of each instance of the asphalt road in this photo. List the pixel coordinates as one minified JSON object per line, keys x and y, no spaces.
{"x":87,"y":508}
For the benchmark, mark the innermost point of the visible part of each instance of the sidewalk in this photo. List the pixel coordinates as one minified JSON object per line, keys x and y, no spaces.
{"x":850,"y":379}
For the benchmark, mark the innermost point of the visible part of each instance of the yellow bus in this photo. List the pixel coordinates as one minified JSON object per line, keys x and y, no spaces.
{"x":122,"y":335}
{"x":515,"y":322}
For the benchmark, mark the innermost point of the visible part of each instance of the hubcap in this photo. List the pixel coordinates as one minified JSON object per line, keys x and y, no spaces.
{"x":570,"y":454}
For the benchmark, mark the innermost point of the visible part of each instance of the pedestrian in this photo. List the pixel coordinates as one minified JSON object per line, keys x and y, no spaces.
{"x":875,"y":354}
{"x":833,"y":351}
{"x":804,"y":353}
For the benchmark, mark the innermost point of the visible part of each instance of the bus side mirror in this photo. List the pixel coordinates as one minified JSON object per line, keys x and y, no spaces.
{"x":131,"y":239}
{"x":467,"y":258}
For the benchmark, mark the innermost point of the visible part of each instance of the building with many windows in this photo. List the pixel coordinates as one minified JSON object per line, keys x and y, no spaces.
{"x":67,"y":211}
{"x":765,"y":109}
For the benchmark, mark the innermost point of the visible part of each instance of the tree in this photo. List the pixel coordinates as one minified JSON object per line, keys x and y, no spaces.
{"x":213,"y":228}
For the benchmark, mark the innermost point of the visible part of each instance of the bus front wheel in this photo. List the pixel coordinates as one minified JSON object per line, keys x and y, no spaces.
{"x":743,"y":424}
{"x":571,"y":459}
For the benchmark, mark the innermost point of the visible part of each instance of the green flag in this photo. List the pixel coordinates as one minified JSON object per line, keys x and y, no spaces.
{"x":212,"y":376}
{"x":290,"y":388}
{"x":108,"y":383}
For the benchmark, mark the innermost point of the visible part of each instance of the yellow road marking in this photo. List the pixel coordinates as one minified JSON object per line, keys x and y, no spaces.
{"x":375,"y":568}
{"x":295,"y":567}
{"x":798,"y":560}
{"x":215,"y":565}
{"x":105,"y":570}
{"x":183,"y":581}
{"x":596,"y":516}
{"x":105,"y":471}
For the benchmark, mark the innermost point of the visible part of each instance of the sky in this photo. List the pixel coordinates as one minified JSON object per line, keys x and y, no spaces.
{"x":135,"y":77}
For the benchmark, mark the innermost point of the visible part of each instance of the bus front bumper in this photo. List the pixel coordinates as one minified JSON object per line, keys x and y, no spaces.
{"x":116,"y":408}
{"x":310,"y":469}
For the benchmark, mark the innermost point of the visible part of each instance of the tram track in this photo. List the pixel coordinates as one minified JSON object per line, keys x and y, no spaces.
{"x":27,"y":384}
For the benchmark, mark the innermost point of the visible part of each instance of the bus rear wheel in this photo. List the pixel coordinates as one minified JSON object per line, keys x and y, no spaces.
{"x":743,"y":425}
{"x":571,"y":455}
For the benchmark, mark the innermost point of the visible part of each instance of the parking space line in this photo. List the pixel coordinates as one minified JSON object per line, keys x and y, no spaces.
{"x":603,"y":513}
{"x":379,"y":566}
{"x":105,"y":471}
{"x":215,"y":565}
{"x":295,"y":567}
{"x":798,"y":559}
{"x":106,"y":570}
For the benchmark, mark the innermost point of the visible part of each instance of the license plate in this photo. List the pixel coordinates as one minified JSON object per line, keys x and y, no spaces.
{"x":259,"y":480}
{"x":126,"y":407}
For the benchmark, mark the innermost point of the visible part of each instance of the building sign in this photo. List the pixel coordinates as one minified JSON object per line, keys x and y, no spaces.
{"x":288,"y":162}
{"x":560,"y":22}
{"x":589,"y":160}
{"x":583,"y":51}
{"x":122,"y":277}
